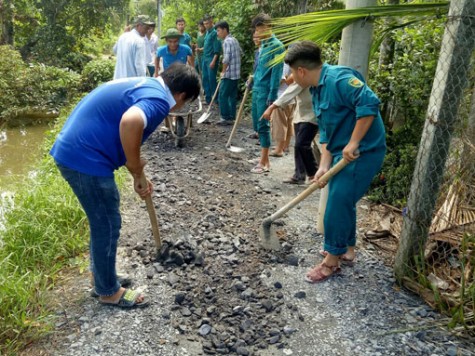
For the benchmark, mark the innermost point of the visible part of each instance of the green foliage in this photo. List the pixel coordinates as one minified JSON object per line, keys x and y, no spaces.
{"x":408,"y":84}
{"x":12,"y":69}
{"x":34,"y":88}
{"x":59,"y":33}
{"x":96,"y":72}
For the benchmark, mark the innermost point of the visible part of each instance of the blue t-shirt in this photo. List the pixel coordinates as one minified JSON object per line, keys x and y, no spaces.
{"x":340,"y":99}
{"x":181,"y":55}
{"x":90,"y":141}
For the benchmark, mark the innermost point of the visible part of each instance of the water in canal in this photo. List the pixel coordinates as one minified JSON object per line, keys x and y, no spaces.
{"x":20,"y":149}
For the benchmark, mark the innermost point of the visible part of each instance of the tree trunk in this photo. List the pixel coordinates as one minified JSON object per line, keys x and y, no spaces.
{"x":301,"y":7}
{"x":6,"y":21}
{"x":386,"y":57}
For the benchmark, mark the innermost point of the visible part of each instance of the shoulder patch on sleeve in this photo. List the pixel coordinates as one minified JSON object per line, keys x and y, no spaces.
{"x":355,"y":82}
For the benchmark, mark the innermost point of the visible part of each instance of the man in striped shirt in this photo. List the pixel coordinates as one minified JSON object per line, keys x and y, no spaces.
{"x":230,"y":74}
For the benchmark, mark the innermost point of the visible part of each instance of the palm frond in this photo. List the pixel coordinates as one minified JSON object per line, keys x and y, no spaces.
{"x":321,"y":26}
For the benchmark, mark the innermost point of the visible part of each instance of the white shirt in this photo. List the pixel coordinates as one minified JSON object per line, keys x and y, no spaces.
{"x":130,"y":50}
{"x":304,"y":109}
{"x":151,"y":45}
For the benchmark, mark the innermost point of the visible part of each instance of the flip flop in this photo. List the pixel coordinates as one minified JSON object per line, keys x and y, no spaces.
{"x":275,"y":154}
{"x":344,"y":260}
{"x":124,"y":281}
{"x":259,"y":169}
{"x":128,"y":300}
{"x":316,"y":275}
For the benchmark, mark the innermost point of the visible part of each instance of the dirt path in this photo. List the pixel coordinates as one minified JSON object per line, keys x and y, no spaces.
{"x":218,"y":292}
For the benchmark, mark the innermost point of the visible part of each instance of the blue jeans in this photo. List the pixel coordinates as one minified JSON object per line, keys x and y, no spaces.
{"x":262,"y":127}
{"x":209,"y":79}
{"x":228,"y":98}
{"x":100,"y":200}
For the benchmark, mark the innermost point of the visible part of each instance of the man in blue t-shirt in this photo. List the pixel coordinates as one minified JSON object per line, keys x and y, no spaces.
{"x":104,"y":132}
{"x":172,"y":52}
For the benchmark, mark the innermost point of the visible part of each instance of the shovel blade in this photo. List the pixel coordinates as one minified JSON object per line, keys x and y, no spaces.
{"x":203,"y":117}
{"x":268,"y":238}
{"x":235,"y":149}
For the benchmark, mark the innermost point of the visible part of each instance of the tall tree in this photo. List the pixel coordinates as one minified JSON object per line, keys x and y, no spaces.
{"x":6,"y":21}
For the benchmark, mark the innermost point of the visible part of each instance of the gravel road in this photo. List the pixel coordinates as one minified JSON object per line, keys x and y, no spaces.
{"x":215,"y":291}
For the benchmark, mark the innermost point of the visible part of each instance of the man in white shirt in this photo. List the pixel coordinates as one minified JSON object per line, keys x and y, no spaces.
{"x":130,"y":50}
{"x":151,"y":42}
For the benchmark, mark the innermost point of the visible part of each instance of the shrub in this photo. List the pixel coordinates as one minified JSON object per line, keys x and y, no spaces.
{"x":96,"y":72}
{"x":12,"y":70}
{"x":33,"y":88}
{"x":409,"y":80}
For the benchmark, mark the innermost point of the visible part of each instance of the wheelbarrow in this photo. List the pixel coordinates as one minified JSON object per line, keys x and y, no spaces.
{"x":180,"y":122}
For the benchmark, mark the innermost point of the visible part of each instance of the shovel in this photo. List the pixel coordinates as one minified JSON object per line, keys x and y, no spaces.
{"x":152,"y":214}
{"x":236,"y":123}
{"x":205,"y":116}
{"x":268,"y":238}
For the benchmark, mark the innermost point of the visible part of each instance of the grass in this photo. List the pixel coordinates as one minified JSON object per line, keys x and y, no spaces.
{"x":45,"y":231}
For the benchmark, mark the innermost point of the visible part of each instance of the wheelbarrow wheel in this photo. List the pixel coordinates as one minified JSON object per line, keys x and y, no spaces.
{"x":180,"y":131}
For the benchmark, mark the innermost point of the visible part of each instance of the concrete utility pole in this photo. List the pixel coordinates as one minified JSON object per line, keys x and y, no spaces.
{"x":354,"y":52}
{"x":356,"y":39}
{"x":159,"y":18}
{"x":450,"y":80}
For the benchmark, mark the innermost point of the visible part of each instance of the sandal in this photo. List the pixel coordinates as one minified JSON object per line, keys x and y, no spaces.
{"x":254,"y":136}
{"x":316,"y":275}
{"x":293,"y":180}
{"x":344,"y":260}
{"x":275,"y":154}
{"x":128,"y":300}
{"x":260,"y":169}
{"x":124,"y":281}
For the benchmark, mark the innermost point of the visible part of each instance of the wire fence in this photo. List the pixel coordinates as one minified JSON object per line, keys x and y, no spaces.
{"x":434,"y":233}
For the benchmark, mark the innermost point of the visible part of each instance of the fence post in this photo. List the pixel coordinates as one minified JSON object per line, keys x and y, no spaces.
{"x":447,"y":90}
{"x":354,"y":52}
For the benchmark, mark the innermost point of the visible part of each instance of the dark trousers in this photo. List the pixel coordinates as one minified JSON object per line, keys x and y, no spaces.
{"x":305,"y":163}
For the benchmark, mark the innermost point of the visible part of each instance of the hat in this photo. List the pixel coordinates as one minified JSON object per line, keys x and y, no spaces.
{"x":172,"y":33}
{"x":143,"y":20}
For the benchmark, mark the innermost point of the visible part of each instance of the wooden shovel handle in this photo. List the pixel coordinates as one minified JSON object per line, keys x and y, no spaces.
{"x":151,"y":213}
{"x":313,"y":187}
{"x":214,"y":96}
{"x":238,"y":118}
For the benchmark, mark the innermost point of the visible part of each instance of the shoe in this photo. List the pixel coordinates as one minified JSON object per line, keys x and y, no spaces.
{"x":316,"y":274}
{"x":128,"y":300}
{"x":224,"y":122}
{"x":260,"y":169}
{"x":254,"y":135}
{"x":293,"y":180}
